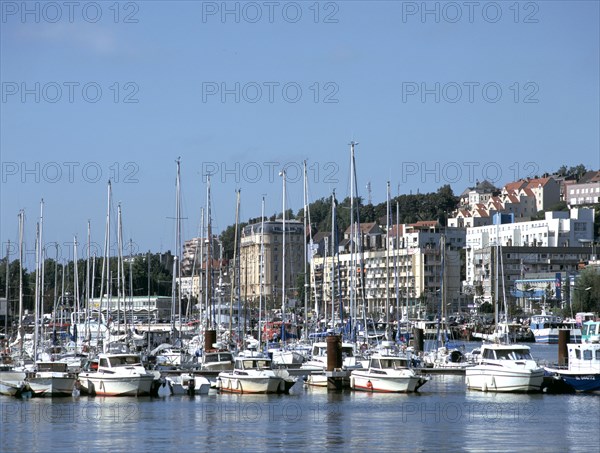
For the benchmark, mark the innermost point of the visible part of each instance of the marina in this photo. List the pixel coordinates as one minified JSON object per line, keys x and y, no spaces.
{"x":443,"y":415}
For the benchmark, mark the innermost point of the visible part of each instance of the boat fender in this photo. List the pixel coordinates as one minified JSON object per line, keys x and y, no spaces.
{"x":370,"y":385}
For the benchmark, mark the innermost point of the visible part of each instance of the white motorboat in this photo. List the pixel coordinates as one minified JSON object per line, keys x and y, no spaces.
{"x":251,"y":375}
{"x":187,"y":384}
{"x":51,"y":379}
{"x":167,"y":355}
{"x":387,"y":373}
{"x":116,"y":375}
{"x":12,"y":382}
{"x":505,"y":368}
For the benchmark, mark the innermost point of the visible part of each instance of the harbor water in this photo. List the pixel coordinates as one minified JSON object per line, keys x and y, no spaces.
{"x":443,"y":416}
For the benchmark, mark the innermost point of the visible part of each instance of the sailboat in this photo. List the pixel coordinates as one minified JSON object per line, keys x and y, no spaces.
{"x":443,"y":357}
{"x":12,"y":381}
{"x":47,"y":378}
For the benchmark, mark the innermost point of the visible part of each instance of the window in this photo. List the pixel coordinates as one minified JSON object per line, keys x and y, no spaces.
{"x":587,"y":354}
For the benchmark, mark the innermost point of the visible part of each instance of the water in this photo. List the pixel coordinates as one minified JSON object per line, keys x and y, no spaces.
{"x":443,"y":416}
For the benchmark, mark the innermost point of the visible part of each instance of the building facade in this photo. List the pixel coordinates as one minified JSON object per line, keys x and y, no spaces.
{"x":270,"y":262}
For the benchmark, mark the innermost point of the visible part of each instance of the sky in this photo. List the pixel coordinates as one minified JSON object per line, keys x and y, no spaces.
{"x":433,"y":92}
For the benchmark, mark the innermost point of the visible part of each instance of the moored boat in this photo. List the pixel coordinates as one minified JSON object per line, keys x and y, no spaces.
{"x":505,"y":368}
{"x":583,"y":371}
{"x":51,"y":379}
{"x":387,"y":373}
{"x":116,"y":375}
{"x":251,"y":375}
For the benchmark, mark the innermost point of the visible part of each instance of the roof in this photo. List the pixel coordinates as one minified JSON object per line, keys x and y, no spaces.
{"x":589,"y":176}
{"x":513,"y":186}
{"x":398,"y":228}
{"x":366,"y":228}
{"x":536,"y":182}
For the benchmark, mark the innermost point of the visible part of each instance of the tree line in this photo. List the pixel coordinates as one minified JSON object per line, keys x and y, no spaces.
{"x":59,"y":280}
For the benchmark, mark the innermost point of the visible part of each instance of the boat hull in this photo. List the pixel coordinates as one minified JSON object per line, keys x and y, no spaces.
{"x":116,"y":386}
{"x":550,"y":335}
{"x":232,"y":383}
{"x":488,"y":378}
{"x":580,"y":381}
{"x":52,"y":385}
{"x":11,"y":382}
{"x":370,"y":382}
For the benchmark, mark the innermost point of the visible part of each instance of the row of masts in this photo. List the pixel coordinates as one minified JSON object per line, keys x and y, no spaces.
{"x":356,"y":252}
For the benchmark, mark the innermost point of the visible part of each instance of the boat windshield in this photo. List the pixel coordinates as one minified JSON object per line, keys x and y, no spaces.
{"x":211,"y":358}
{"x":392,"y":363}
{"x":254,"y":364}
{"x":347,"y":351}
{"x":516,"y":354}
{"x":124,"y":360}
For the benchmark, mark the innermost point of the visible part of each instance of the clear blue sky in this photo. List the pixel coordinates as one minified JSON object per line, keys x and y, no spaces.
{"x":374,"y":58}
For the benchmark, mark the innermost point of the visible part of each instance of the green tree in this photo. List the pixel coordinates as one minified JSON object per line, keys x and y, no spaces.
{"x":586,"y":294}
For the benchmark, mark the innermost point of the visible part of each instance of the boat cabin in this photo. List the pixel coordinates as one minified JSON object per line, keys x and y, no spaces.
{"x":590,"y":332}
{"x":584,"y":356}
{"x":214,"y":357}
{"x":253,"y":364}
{"x":320,"y":350}
{"x":515,"y":353}
{"x":393,"y":363}
{"x":119,"y":360}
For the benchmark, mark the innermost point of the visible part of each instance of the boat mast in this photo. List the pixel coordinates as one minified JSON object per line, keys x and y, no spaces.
{"x":396,"y":277}
{"x":352,"y":244}
{"x":20,"y":328}
{"x":131,"y":279}
{"x":200,"y":271}
{"x":210,"y":321}
{"x":261,"y":271}
{"x":387,"y":264}
{"x":37,"y":293}
{"x":105,"y":278}
{"x":305,"y":257}
{"x":42,"y":252}
{"x":235,"y":269}
{"x":324,"y":290}
{"x":87,"y":283}
{"x":6,"y":294}
{"x":176,"y":284}
{"x":120,"y":276}
{"x":333,"y":245}
{"x":283,"y":175}
{"x":440,"y":315}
